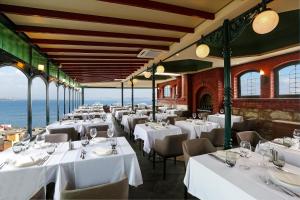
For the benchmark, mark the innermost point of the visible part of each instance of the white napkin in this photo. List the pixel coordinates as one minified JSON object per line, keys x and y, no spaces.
{"x":41,"y":145}
{"x":100,"y":151}
{"x":26,"y":161}
{"x":99,"y":139}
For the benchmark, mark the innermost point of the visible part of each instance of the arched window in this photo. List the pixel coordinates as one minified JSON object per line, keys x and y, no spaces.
{"x":38,"y":96}
{"x":288,"y":80}
{"x":167,"y":91}
{"x":52,"y":101}
{"x":249,"y":84}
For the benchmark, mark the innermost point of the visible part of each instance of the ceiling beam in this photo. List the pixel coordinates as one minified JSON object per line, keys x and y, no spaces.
{"x":98,"y":70}
{"x":103,"y":61}
{"x":63,"y":50}
{"x":153,"y":5}
{"x":99,"y":44}
{"x":102,"y":65}
{"x":28,"y":11}
{"x":36,"y":29}
{"x":96,"y":57}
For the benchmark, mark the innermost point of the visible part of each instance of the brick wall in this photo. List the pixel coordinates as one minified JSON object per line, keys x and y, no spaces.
{"x":266,"y":107}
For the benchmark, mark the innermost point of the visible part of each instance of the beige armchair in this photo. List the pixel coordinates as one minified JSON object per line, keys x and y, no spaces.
{"x":100,"y":130}
{"x":215,"y":136}
{"x":170,"y":146}
{"x":56,"y":138}
{"x":251,"y":136}
{"x":72,"y":134}
{"x":117,"y":190}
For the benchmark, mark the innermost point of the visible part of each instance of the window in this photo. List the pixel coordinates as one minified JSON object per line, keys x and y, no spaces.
{"x":249,"y":83}
{"x":167,"y":91}
{"x":288,"y":80}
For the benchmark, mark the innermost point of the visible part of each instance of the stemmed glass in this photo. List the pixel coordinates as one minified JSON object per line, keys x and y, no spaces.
{"x":279,"y":162}
{"x":84,"y":140}
{"x":39,"y":139}
{"x":93,"y":133}
{"x":113,"y":143}
{"x":104,"y":117}
{"x":110,"y":133}
{"x":25,"y":141}
{"x":200,"y":116}
{"x":296,"y":135}
{"x":72,"y":117}
{"x":231,"y":158}
{"x":245,"y":151}
{"x":194,"y":115}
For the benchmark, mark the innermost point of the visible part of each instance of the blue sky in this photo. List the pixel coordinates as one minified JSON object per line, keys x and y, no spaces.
{"x":13,"y":84}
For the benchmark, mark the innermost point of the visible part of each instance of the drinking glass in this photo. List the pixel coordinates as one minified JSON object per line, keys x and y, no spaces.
{"x":93,"y":133}
{"x":245,"y":151}
{"x":72,"y":117}
{"x":39,"y":139}
{"x":287,"y":141}
{"x":113,"y":143}
{"x":231,"y":158}
{"x":104,"y":117}
{"x":84,"y":140}
{"x":200,"y":115}
{"x":25,"y":141}
{"x":279,"y":162}
{"x":110,"y":133}
{"x":17,"y":147}
{"x":51,"y":149}
{"x":194,"y":115}
{"x":296,"y":135}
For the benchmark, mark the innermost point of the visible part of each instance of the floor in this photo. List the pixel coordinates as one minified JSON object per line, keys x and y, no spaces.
{"x":154,"y":187}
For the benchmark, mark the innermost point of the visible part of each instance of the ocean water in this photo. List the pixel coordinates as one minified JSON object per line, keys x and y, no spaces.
{"x":15,"y":111}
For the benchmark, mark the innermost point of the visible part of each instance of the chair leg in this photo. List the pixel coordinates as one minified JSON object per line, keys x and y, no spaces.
{"x":164,"y":168}
{"x":153,"y":160}
{"x":175,"y":160}
{"x":185,"y":192}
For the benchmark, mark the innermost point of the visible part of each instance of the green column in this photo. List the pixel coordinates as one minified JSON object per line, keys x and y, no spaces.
{"x":29,"y":107}
{"x":153,"y":92}
{"x":64,"y":99}
{"x":227,"y":85}
{"x":132,"y":101}
{"x":122,"y":93}
{"x":69,"y":99}
{"x":57,"y":98}
{"x":47,"y":97}
{"x":82,"y":96}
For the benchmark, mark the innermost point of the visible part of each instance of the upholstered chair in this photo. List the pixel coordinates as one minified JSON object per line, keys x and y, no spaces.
{"x":251,"y":136}
{"x":215,"y":136}
{"x":72,"y":134}
{"x":56,"y":138}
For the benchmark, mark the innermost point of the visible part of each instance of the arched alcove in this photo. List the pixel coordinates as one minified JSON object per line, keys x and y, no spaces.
{"x":38,"y":97}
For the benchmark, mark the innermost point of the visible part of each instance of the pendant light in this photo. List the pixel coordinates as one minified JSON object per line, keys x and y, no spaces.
{"x":265,"y":21}
{"x":160,"y":68}
{"x":202,"y":50}
{"x":147,"y":74}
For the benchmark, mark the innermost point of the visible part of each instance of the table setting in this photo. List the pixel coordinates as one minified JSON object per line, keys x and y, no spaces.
{"x":220,"y":118}
{"x":126,"y":119}
{"x":84,"y":163}
{"x":243,"y":174}
{"x":194,"y":127}
{"x":151,"y":131}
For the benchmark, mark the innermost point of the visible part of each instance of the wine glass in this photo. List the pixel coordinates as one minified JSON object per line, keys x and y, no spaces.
{"x":245,"y":151}
{"x":104,"y":117}
{"x":72,"y":117}
{"x":194,"y":115}
{"x":84,"y":140}
{"x":113,"y":143}
{"x":296,"y":135}
{"x":200,"y":115}
{"x":25,"y":141}
{"x":51,"y":149}
{"x":110,"y":133}
{"x":93,"y":133}
{"x":39,"y":139}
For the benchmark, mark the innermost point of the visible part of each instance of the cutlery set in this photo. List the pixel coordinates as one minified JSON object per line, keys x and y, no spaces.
{"x":43,"y":160}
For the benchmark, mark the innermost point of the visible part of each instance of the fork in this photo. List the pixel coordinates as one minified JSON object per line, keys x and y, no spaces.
{"x":43,"y":160}
{"x":3,"y":164}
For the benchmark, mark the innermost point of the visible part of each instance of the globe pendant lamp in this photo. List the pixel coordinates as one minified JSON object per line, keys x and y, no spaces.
{"x":134,"y":81}
{"x":202,"y":51}
{"x":147,"y":74}
{"x":265,"y":21}
{"x":160,"y":69}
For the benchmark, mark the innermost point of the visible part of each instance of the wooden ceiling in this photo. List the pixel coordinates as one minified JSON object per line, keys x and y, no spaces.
{"x":99,"y":40}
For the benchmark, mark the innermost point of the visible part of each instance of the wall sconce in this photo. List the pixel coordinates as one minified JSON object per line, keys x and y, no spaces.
{"x":261,"y":72}
{"x":20,"y":65}
{"x":41,"y":67}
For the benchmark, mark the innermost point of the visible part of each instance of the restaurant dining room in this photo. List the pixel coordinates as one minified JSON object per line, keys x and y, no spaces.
{"x":150,"y":99}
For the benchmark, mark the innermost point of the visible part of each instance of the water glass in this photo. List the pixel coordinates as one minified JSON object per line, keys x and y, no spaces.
{"x":84,"y":140}
{"x":279,"y":162}
{"x":194,"y":115}
{"x":110,"y":133}
{"x":25,"y":141}
{"x":231,"y":158}
{"x":93,"y":133}
{"x":200,"y":115}
{"x":287,"y":141}
{"x":245,"y":151}
{"x":17,"y":147}
{"x":51,"y":149}
{"x":39,"y":139}
{"x":113,"y":143}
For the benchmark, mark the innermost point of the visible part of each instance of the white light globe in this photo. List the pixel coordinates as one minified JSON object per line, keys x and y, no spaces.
{"x":265,"y":22}
{"x":147,"y":74}
{"x":134,"y":81}
{"x":160,"y":69}
{"x":202,"y":51}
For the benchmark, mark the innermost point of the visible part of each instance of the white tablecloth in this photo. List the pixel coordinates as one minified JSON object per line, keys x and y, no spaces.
{"x":64,"y":166}
{"x":209,"y":179}
{"x":149,"y":135}
{"x":143,"y":111}
{"x":85,"y":114}
{"x":220,"y":118}
{"x":126,"y":119}
{"x":79,"y":126}
{"x":120,"y":113}
{"x":291,"y":155}
{"x":194,"y":129}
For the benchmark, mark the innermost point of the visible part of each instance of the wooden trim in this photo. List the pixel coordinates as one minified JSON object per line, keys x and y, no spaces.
{"x":90,"y":65}
{"x":28,"y":11}
{"x":135,"y":52}
{"x":97,"y":57}
{"x":153,"y":5}
{"x":93,"y":43}
{"x":36,"y":29}
{"x":103,"y":61}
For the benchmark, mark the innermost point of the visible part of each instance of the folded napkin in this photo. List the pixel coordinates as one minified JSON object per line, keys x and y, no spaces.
{"x":100,"y":151}
{"x":286,"y":177}
{"x":41,"y":145}
{"x":220,"y":154}
{"x":100,"y":139}
{"x":27,"y":161}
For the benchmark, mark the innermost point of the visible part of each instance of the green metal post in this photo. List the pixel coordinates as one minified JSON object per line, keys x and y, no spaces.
{"x":47,"y":96}
{"x":57,"y":98}
{"x":64,"y":100}
{"x":122,"y":93}
{"x":69,"y":99}
{"x":82,"y":96}
{"x":132,"y":101}
{"x":227,"y":85}
{"x":29,"y":107}
{"x":153,"y":92}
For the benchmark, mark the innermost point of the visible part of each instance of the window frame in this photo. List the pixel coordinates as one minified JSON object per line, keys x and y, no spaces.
{"x":169,"y":96}
{"x":276,"y":80}
{"x":239,"y":85}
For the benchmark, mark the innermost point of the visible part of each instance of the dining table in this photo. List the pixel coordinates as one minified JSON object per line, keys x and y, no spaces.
{"x":79,"y":125}
{"x":208,"y":177}
{"x":194,"y":128}
{"x":120,"y":113}
{"x":220,"y":118}
{"x":127,"y":120}
{"x":149,"y":132}
{"x":24,"y":174}
{"x":291,"y":153}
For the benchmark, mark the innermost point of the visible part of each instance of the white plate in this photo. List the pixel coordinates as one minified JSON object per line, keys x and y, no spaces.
{"x":276,"y":180}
